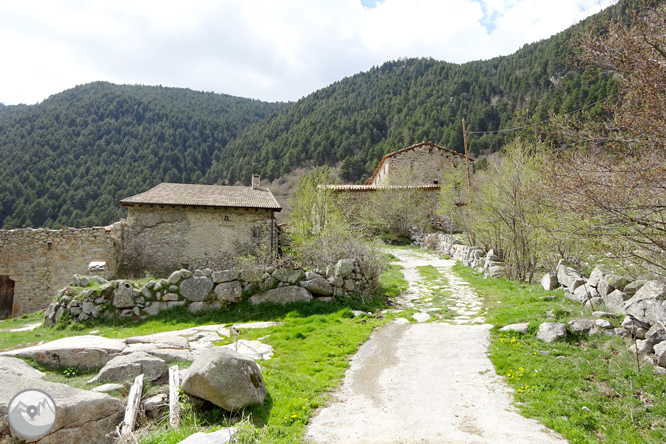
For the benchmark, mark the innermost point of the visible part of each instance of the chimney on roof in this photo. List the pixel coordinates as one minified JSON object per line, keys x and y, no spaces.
{"x":255,"y":181}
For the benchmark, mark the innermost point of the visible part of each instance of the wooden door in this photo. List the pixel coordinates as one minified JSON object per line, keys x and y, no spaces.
{"x":6,"y":297}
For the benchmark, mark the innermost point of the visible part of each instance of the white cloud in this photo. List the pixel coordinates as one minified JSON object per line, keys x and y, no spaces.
{"x":266,"y":49}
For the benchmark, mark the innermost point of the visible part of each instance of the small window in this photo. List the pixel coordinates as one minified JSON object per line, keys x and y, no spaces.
{"x":436,"y":182}
{"x":226,"y":217}
{"x":256,"y":233}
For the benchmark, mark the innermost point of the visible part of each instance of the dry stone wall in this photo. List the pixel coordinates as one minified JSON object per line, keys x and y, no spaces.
{"x":41,"y":260}
{"x":90,"y":298}
{"x":159,"y":238}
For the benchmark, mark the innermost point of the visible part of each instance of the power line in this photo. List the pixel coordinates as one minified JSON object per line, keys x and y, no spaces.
{"x":547,"y":120}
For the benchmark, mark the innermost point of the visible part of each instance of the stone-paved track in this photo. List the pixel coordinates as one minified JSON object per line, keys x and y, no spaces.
{"x":428,"y":382}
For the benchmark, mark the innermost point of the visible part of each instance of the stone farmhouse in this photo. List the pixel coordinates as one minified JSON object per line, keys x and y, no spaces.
{"x":422,"y":164}
{"x":421,"y":167}
{"x":198,"y":226}
{"x":168,"y":227}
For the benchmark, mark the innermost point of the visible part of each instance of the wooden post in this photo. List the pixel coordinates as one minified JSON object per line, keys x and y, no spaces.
{"x":133,"y":401}
{"x":174,"y":405}
{"x":469,"y":179}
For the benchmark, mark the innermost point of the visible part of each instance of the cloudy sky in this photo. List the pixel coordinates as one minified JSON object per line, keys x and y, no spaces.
{"x":274,"y":50}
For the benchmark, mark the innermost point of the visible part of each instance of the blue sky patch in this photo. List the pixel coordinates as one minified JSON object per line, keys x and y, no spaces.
{"x":371,"y":4}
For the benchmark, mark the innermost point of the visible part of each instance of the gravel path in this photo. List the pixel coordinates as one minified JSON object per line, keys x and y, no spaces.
{"x":429,"y":382}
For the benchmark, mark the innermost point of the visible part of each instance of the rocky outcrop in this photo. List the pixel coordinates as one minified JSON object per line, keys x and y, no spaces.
{"x":94,"y":352}
{"x":225,"y":378}
{"x":82,"y":416}
{"x":85,"y":352}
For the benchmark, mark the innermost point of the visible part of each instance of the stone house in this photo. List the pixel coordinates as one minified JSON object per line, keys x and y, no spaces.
{"x":422,"y":164}
{"x":198,"y":226}
{"x":418,"y":170}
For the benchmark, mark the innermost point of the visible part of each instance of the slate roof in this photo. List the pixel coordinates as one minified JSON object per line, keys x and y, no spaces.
{"x":389,"y":155}
{"x":205,"y":196}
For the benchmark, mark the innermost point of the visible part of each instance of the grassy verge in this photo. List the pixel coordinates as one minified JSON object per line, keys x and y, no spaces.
{"x":589,"y":389}
{"x":392,"y":282}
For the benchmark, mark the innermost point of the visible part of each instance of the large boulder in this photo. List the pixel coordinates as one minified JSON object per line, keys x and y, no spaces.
{"x":549,"y":281}
{"x":19,"y":367}
{"x":549,"y":331}
{"x":288,"y":275}
{"x":318,"y":285}
{"x":86,"y":352}
{"x":344,"y":268}
{"x":615,"y":300}
{"x":282,"y":295}
{"x":647,"y":305}
{"x":567,"y":276}
{"x":127,"y":367}
{"x":123,"y":297}
{"x":229,"y":291}
{"x":225,"y":378}
{"x":82,"y":416}
{"x":196,"y":289}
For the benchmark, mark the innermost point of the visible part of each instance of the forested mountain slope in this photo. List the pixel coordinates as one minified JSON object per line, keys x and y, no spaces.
{"x":68,"y":160}
{"x":359,"y":119}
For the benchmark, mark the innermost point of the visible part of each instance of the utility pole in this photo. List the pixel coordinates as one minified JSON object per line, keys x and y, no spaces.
{"x":469,"y":179}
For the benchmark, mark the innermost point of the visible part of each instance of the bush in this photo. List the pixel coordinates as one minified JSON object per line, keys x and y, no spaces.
{"x":320,"y":236}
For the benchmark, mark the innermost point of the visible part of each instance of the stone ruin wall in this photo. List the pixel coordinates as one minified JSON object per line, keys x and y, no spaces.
{"x":424,"y":165}
{"x":40,"y":260}
{"x":166,"y":237}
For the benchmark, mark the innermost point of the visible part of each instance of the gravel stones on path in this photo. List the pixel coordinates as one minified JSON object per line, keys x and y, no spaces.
{"x":463,"y":301}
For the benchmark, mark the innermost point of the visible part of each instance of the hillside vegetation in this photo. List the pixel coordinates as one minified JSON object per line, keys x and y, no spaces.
{"x":68,"y":160}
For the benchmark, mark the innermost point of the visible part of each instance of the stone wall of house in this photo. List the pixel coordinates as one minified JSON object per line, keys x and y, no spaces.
{"x":423,"y":165}
{"x":40,"y":260}
{"x":161,"y":238}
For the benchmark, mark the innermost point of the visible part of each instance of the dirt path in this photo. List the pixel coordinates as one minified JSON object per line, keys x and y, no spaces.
{"x":429,"y":382}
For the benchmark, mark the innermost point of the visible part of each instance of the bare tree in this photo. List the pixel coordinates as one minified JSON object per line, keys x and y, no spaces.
{"x":614,"y":174}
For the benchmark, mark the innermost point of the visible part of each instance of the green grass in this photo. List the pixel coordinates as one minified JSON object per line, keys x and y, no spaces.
{"x":392,"y":282}
{"x":589,"y":389}
{"x":20,"y":321}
